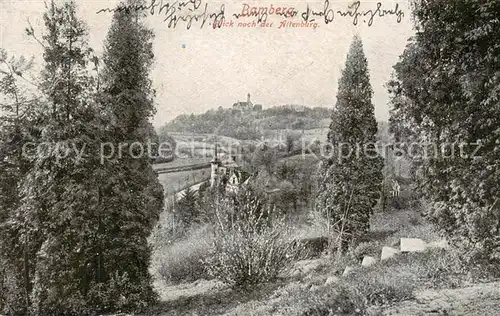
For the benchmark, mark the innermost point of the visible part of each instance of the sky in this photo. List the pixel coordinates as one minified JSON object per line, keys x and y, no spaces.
{"x":201,"y":68}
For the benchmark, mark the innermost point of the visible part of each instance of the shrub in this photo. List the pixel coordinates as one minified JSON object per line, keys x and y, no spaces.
{"x":168,"y":230}
{"x":351,"y":295}
{"x":473,"y":225}
{"x":315,"y":246}
{"x":183,"y":260}
{"x":249,"y":245}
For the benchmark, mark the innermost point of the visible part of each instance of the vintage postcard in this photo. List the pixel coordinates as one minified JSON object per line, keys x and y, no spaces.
{"x":249,"y":157}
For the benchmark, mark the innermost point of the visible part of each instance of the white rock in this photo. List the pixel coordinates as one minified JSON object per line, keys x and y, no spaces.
{"x":347,"y":270}
{"x":368,"y":261}
{"x":388,"y":252}
{"x":412,"y":245}
{"x":331,"y":279}
{"x":314,"y":288}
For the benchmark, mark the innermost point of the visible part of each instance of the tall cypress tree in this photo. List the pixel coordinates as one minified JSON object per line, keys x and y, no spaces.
{"x":59,"y":209}
{"x":350,"y":177}
{"x":135,"y":195}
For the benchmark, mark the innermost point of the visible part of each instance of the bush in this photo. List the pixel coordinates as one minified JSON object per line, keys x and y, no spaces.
{"x":315,"y":246}
{"x":384,"y":284}
{"x":249,"y":246}
{"x":473,"y":225}
{"x":168,"y":230}
{"x":183,"y":260}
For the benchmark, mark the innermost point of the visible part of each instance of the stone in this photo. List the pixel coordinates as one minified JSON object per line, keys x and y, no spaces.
{"x":388,"y":252}
{"x":314,"y":288}
{"x":331,"y":279}
{"x":412,"y":245}
{"x":347,"y":270}
{"x":368,"y":261}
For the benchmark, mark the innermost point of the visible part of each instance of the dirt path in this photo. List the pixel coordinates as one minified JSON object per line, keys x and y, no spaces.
{"x":475,"y":300}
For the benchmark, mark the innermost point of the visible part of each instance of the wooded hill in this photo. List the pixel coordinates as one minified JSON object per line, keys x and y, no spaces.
{"x":249,"y":125}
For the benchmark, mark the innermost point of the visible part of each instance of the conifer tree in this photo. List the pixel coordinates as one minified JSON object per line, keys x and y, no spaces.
{"x":135,"y":194}
{"x":78,"y":226}
{"x":57,"y":214}
{"x":350,"y":177}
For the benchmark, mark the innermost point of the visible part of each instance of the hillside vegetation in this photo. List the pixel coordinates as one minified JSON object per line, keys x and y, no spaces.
{"x":248,"y":125}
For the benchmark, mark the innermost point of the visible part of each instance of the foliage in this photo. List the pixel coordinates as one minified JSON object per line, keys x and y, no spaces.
{"x":17,"y":109}
{"x":183,"y":261}
{"x":77,"y":228}
{"x":350,"y":178}
{"x":288,"y":183}
{"x":250,"y":246}
{"x":445,"y":93}
{"x":301,"y":173}
{"x":137,"y":195}
{"x":264,"y":156}
{"x":54,"y":211}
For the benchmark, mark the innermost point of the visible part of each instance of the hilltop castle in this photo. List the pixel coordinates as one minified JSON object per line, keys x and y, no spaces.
{"x":246,"y":106}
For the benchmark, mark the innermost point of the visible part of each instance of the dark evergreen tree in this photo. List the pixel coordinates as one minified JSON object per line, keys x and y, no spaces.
{"x":134,"y":194}
{"x":59,"y":211}
{"x":445,"y":93}
{"x":84,"y":222}
{"x":350,"y":177}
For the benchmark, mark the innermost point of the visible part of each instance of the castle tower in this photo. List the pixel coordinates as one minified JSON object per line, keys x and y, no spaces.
{"x":215,"y":163}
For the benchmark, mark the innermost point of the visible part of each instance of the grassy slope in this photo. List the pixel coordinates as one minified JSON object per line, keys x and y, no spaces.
{"x":377,"y":290}
{"x":219,"y":302}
